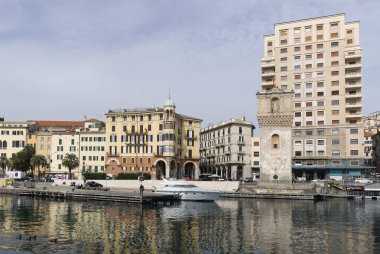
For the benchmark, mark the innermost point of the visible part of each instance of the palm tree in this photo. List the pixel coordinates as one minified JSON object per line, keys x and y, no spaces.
{"x":38,"y":161}
{"x":70,"y":161}
{"x":4,"y":163}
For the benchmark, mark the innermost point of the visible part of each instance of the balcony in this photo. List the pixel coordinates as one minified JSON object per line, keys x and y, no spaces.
{"x":353,"y":115}
{"x":267,"y":84}
{"x":353,"y":95}
{"x":267,"y":74}
{"x":227,"y":152}
{"x":353,"y":54}
{"x":241,"y":142}
{"x":354,"y":105}
{"x":241,"y":153}
{"x":353,"y":86}
{"x":235,"y":162}
{"x":352,"y":66}
{"x":112,"y":154}
{"x":268,"y":64}
{"x":353,"y":75}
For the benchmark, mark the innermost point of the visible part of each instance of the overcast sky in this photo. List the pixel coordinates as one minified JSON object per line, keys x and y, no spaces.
{"x":63,"y":60}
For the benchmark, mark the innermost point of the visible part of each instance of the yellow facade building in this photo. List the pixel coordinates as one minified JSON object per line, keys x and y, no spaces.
{"x":157,"y":141}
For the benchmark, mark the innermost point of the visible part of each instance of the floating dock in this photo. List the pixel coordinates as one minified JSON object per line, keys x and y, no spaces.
{"x":272,"y":196}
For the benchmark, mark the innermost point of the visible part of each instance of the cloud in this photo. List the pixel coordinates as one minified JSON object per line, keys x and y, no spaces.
{"x":66,"y":59}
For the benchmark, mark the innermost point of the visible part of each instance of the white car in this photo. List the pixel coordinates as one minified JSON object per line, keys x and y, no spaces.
{"x":363,"y":180}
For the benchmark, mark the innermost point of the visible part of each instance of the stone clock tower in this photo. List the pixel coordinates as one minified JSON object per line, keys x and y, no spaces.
{"x":275,"y":117}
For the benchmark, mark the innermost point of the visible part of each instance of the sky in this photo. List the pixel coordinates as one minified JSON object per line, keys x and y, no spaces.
{"x":76,"y":59}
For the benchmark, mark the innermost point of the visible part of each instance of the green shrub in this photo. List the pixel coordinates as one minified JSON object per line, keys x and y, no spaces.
{"x":94,"y":176}
{"x":132,"y":176}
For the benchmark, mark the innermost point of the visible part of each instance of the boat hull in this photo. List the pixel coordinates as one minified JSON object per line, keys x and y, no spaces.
{"x":192,"y":195}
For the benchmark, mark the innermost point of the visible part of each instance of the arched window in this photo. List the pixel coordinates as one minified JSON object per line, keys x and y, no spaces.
{"x":275,"y":103}
{"x":275,"y":141}
{"x":5,"y":144}
{"x":1,"y":144}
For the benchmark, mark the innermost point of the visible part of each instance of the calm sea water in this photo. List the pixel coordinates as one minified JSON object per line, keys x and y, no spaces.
{"x":226,"y":226}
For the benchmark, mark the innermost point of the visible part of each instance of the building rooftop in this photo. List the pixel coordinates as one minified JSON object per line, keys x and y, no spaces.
{"x":240,"y":121}
{"x":45,"y":123}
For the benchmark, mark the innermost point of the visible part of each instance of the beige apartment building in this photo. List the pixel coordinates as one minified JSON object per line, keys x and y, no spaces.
{"x":13,"y":137}
{"x":92,"y":143}
{"x":157,"y":141}
{"x":255,"y":157}
{"x":320,"y":60}
{"x":225,"y":149}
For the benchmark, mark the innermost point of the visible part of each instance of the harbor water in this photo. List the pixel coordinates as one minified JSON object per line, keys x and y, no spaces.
{"x":34,"y":225}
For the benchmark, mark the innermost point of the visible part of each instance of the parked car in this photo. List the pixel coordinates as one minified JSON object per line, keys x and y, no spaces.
{"x":363,"y":180}
{"x":93,"y":184}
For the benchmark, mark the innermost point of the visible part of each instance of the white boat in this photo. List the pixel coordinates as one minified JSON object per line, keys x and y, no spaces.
{"x":188,"y":191}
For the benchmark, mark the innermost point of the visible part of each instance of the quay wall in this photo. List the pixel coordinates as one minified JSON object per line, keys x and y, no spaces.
{"x":224,"y":186}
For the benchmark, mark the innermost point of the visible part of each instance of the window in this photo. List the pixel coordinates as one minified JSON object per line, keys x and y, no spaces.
{"x":349,"y":41}
{"x":256,"y":143}
{"x":308,"y":47}
{"x":354,"y":163}
{"x":297,"y":58}
{"x":335,"y":92}
{"x":335,"y":102}
{"x":334,"y":25}
{"x":284,"y":50}
{"x":334,"y":73}
{"x":308,"y":38}
{"x":298,"y":153}
{"x":320,"y":94}
{"x":284,"y":87}
{"x":320,"y":37}
{"x":309,"y":142}
{"x":321,"y":142}
{"x":256,"y":154}
{"x":321,"y":132}
{"x":321,"y":122}
{"x":297,"y":76}
{"x":320,"y":74}
{"x":354,"y":152}
{"x":297,"y":104}
{"x":297,"y":30}
{"x":269,"y":43}
{"x":354,"y":141}
{"x":308,"y":29}
{"x":297,"y":40}
{"x":309,"y":95}
{"x":334,"y":54}
{"x":319,"y":27}
{"x":283,"y":42}
{"x":349,"y":31}
{"x":335,"y":63}
{"x":284,"y":68}
{"x":309,"y":132}
{"x":333,"y":35}
{"x":297,"y":95}
{"x":297,"y":133}
{"x":335,"y":131}
{"x":284,"y":59}
{"x":335,"y":121}
{"x":320,"y":46}
{"x":309,"y":113}
{"x":335,"y":112}
{"x":354,"y":131}
{"x":297,"y":114}
{"x":275,"y":141}
{"x":319,"y":55}
{"x":335,"y":152}
{"x":297,"y":67}
{"x":297,"y":123}
{"x":335,"y":142}
{"x":308,"y":56}
{"x":308,"y":66}
{"x":284,"y":78}
{"x":309,"y":85}
{"x":335,"y":83}
{"x":309,"y":123}
{"x":309,"y":104}
{"x":284,"y":32}
{"x":321,"y":113}
{"x":319,"y":65}
{"x":296,"y":49}
{"x":308,"y":74}
{"x":320,"y":84}
{"x":320,"y":103}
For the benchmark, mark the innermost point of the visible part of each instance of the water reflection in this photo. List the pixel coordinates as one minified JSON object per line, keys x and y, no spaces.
{"x":225,"y":226}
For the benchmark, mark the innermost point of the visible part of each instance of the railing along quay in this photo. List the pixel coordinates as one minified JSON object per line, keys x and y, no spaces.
{"x":271,"y":196}
{"x":126,"y":197}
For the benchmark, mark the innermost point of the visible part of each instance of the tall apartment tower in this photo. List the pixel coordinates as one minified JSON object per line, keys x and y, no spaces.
{"x":320,"y":60}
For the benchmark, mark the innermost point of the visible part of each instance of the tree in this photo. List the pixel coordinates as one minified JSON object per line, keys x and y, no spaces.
{"x":38,"y":161}
{"x":4,"y":163}
{"x":70,"y":161}
{"x":21,"y":160}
